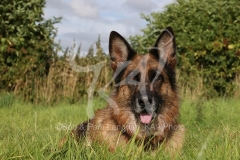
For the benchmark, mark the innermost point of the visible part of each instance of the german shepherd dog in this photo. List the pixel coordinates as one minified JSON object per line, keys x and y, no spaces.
{"x":146,"y":102}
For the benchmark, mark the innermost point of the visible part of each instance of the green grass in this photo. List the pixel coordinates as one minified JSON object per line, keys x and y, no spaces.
{"x":30,"y":131}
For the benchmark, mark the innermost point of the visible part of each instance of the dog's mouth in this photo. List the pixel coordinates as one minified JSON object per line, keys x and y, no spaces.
{"x":146,"y":117}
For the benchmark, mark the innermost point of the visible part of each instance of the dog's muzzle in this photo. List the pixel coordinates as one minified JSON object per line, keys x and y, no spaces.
{"x":146,"y":108}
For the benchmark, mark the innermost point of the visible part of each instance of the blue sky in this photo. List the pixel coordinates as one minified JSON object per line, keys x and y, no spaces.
{"x":84,"y":20}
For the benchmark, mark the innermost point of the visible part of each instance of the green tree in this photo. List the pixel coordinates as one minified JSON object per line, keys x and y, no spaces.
{"x":26,"y":42}
{"x":207,"y":34}
{"x":90,"y":51}
{"x":99,"y":51}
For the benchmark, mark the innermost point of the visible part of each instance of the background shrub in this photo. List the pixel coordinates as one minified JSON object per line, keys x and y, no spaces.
{"x":207,"y":34}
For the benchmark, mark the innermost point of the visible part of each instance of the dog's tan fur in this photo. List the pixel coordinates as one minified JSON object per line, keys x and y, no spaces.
{"x":116,"y":124}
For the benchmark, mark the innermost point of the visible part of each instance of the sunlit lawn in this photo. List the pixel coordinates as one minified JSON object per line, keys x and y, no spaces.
{"x":30,"y":131}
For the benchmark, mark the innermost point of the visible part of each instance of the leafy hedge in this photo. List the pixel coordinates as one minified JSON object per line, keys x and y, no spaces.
{"x":207,"y":34}
{"x":26,"y":42}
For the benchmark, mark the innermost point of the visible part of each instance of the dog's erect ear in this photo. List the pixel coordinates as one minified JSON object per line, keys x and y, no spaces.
{"x":119,"y":49}
{"x":165,"y":47}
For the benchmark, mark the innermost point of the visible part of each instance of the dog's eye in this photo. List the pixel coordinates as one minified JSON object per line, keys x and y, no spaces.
{"x":155,"y":76}
{"x":136,"y":77}
{"x":152,"y":75}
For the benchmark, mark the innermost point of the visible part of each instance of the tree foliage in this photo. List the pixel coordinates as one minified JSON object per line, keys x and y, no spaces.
{"x":26,"y":42}
{"x":207,"y":34}
{"x":29,"y":64}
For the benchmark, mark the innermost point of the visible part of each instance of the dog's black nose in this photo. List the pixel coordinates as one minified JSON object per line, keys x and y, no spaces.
{"x":144,"y":101}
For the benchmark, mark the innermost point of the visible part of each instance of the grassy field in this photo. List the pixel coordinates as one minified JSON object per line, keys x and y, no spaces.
{"x":30,"y":131}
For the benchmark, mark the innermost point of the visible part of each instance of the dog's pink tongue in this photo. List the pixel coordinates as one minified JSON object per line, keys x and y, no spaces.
{"x":145,"y":118}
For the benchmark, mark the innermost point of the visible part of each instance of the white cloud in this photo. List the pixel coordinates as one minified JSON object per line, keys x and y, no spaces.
{"x":140,"y":5}
{"x":84,"y":9}
{"x":84,"y":20}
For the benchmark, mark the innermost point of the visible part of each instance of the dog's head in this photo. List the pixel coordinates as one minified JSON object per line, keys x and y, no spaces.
{"x":145,"y":83}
